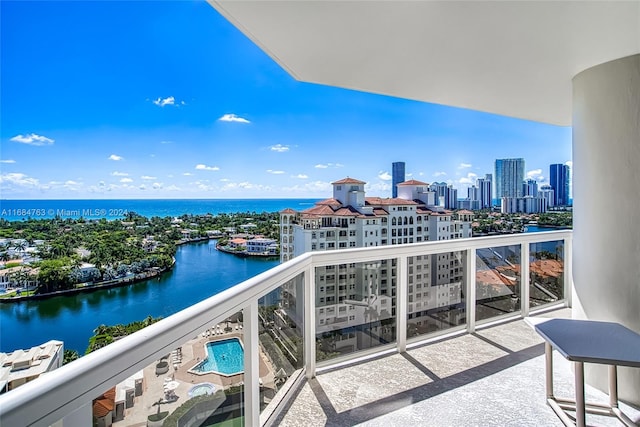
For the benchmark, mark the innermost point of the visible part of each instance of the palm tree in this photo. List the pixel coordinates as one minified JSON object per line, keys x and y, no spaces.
{"x":20,"y":246}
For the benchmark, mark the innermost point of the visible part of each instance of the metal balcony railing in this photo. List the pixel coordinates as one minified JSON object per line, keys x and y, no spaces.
{"x":501,"y":276}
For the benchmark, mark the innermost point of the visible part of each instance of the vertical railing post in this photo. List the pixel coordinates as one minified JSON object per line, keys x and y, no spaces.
{"x":470,"y":291}
{"x":568,"y":270}
{"x":402,"y":293}
{"x":251,"y":365}
{"x":524,"y":278}
{"x":310,"y":322}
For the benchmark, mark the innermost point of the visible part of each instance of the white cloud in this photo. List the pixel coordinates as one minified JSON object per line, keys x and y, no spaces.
{"x":329,"y":165}
{"x":172,"y":188}
{"x":148,"y":178}
{"x":384,"y":175}
{"x":470,"y":179}
{"x":7,"y":161}
{"x":142,"y":187}
{"x":535,"y":174}
{"x":166,"y":142}
{"x":126,"y":180}
{"x":160,"y":102}
{"x":233,"y":118}
{"x":300,"y":176}
{"x":188,"y":173}
{"x":378,"y":188}
{"x":157,"y":185}
{"x":275,"y":172}
{"x":319,"y":188}
{"x":464,"y":165}
{"x":116,"y":173}
{"x":19,"y":179}
{"x":33,"y":139}
{"x":225,"y":180}
{"x":115,"y":157}
{"x":70,"y":182}
{"x":207,"y":168}
{"x":279,"y":148}
{"x":437,"y":174}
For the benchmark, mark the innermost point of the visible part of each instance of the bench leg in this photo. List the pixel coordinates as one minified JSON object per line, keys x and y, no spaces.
{"x":580,"y":404}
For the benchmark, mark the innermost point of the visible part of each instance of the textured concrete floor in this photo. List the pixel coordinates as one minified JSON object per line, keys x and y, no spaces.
{"x":494,"y":377}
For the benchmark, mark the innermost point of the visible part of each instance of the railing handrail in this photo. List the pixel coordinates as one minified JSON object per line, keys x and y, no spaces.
{"x":64,"y":390}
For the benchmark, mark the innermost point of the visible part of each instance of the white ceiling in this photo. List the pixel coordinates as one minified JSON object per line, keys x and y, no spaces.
{"x":514,"y":58}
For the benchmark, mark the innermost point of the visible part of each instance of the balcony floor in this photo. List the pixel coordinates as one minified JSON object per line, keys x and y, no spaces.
{"x":494,"y":377}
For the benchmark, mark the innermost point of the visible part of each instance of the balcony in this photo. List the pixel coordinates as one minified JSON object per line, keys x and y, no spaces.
{"x":381,"y":363}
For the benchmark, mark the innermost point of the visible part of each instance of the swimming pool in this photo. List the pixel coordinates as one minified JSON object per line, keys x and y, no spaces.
{"x":225,"y":357}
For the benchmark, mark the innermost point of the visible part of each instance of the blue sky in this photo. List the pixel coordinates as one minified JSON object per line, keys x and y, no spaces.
{"x":168,"y":100}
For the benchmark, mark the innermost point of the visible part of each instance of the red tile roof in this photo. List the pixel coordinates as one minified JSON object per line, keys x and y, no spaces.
{"x":347,"y":211}
{"x":318,"y":210}
{"x":413,"y":182}
{"x":380,"y":212}
{"x":101,"y":407}
{"x":329,"y":202}
{"x":288,"y":211}
{"x":348,"y":180}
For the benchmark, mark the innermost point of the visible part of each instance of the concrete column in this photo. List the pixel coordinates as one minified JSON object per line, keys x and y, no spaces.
{"x":606,"y":189}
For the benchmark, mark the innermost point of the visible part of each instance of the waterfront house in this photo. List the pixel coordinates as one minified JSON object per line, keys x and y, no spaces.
{"x":262,"y":246}
{"x":237,"y":243}
{"x":19,"y":277}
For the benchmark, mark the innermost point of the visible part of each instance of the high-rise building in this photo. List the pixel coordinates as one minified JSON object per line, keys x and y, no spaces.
{"x":484,"y":191}
{"x":530,"y":188}
{"x":348,"y":294}
{"x":546,"y":192}
{"x":440,"y":192}
{"x":398,"y":176}
{"x":559,"y":181}
{"x":509,"y":177}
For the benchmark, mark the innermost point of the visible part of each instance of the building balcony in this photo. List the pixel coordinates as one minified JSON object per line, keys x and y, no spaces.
{"x":448,"y":364}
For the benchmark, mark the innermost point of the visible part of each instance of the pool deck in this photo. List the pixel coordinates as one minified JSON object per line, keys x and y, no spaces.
{"x":193,"y":351}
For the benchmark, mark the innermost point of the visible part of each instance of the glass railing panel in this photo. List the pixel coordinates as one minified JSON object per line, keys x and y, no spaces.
{"x":546,"y":273}
{"x":281,"y":334}
{"x":436,"y":292}
{"x":497,"y":281}
{"x":359,"y":316}
{"x":199,"y":383}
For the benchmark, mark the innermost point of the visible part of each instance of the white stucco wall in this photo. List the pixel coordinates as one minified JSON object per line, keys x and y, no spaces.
{"x":606,"y":246}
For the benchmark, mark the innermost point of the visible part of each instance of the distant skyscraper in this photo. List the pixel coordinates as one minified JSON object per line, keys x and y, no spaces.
{"x":484,"y":191}
{"x":509,"y":177}
{"x":530,"y":188}
{"x":440,"y":190}
{"x":546,"y":192}
{"x":397,"y":177}
{"x":559,"y":177}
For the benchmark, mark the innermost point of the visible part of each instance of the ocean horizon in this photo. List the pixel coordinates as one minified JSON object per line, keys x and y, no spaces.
{"x":19,"y":210}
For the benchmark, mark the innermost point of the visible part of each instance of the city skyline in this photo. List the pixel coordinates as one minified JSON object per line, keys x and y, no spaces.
{"x":178,"y":104}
